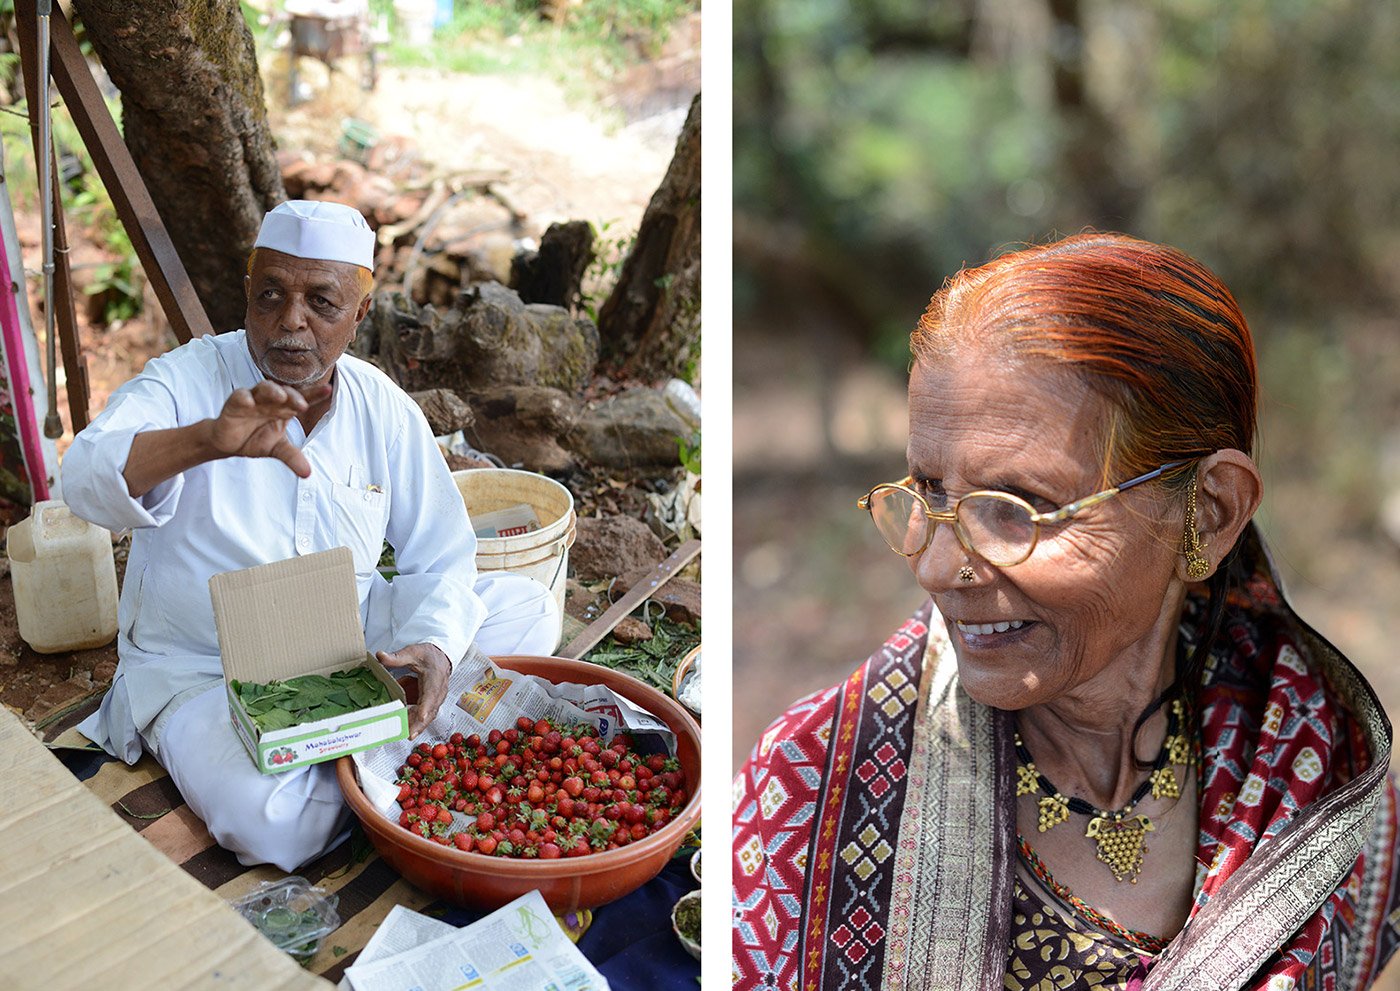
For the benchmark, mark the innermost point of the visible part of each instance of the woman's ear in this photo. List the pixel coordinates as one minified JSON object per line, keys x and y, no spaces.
{"x":1228,"y":491}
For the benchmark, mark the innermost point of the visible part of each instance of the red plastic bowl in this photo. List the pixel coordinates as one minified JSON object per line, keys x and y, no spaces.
{"x":569,"y":883}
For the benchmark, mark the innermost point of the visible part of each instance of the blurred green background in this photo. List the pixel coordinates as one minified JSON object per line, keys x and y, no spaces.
{"x":880,"y":146}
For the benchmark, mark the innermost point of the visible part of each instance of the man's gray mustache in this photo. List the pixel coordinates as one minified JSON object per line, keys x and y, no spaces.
{"x":288,"y":344}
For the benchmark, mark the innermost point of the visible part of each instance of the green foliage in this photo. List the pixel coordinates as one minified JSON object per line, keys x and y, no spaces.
{"x":9,"y":68}
{"x":652,"y":18}
{"x":690,"y":369}
{"x":610,"y":251}
{"x":86,"y":205}
{"x":653,"y":661}
{"x":118,"y":280}
{"x":598,"y":38}
{"x":690,"y":452}
{"x":1258,"y":136}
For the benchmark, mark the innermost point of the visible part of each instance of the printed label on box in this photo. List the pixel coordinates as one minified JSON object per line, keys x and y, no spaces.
{"x":283,"y":755}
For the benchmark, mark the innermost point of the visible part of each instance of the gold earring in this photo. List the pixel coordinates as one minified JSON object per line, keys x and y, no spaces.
{"x":1197,"y":564}
{"x":966,"y":574}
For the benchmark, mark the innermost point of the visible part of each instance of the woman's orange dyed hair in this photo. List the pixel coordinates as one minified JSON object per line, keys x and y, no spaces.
{"x":1146,"y":326}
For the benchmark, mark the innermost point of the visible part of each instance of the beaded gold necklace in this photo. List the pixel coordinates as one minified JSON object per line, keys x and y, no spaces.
{"x":1121,"y":837}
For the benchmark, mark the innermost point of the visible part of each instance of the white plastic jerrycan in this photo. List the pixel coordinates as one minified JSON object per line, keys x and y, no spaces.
{"x":65,"y":580}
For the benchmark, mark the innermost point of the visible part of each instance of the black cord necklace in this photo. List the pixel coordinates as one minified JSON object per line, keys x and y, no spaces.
{"x":1121,"y":836}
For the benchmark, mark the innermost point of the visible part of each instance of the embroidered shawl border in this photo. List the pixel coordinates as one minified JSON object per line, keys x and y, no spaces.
{"x":1373,"y":931}
{"x":843,"y":942}
{"x":950,"y":905}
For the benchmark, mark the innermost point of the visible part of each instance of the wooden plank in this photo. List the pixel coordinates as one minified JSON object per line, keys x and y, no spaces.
{"x":619,"y":610}
{"x":94,"y":905}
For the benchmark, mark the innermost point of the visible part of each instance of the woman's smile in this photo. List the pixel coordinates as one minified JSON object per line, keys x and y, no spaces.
{"x":995,"y":634}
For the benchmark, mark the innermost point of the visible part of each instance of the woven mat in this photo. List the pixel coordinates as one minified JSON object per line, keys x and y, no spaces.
{"x":630,"y":941}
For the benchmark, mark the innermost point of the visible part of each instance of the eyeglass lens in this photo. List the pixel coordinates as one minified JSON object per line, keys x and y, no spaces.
{"x":998,"y":528}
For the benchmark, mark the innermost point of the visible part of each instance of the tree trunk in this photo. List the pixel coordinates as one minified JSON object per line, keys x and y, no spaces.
{"x":650,"y":324}
{"x":1098,"y":191}
{"x":194,"y":118}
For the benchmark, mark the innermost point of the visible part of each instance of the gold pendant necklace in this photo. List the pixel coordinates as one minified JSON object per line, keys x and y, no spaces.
{"x":1120,"y":836}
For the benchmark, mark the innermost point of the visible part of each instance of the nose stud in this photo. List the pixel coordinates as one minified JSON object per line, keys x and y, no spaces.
{"x":965,"y":574}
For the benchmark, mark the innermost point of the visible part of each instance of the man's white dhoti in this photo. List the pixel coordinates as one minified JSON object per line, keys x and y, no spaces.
{"x":289,"y":818}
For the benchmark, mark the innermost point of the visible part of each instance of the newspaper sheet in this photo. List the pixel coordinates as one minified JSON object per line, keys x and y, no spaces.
{"x":519,"y":947}
{"x":402,"y":930}
{"x":482,"y":697}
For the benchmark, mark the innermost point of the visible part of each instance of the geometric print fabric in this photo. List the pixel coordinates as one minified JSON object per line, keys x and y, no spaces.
{"x":815,"y":810}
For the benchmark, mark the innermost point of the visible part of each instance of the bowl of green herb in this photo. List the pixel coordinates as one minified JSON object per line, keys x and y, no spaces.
{"x":685,"y":920}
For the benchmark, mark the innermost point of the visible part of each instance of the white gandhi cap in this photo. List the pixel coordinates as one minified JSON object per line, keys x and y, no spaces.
{"x":325,"y":231}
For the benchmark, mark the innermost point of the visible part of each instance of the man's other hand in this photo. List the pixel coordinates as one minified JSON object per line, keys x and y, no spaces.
{"x":433,"y":668}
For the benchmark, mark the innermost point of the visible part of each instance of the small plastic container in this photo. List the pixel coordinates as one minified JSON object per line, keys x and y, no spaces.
{"x":64,"y":578}
{"x":292,"y":914}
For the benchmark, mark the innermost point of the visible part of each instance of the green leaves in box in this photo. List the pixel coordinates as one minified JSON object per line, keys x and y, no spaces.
{"x":280,"y":704}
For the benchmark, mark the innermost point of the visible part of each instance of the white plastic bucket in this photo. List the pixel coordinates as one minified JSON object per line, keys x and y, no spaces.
{"x":64,"y":579}
{"x":541,"y":554}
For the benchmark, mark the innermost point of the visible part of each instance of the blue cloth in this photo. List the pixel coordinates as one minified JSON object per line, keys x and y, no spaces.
{"x":631,"y":940}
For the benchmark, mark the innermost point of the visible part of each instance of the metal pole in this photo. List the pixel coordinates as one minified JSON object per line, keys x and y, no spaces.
{"x":53,"y":426}
{"x":22,"y":353}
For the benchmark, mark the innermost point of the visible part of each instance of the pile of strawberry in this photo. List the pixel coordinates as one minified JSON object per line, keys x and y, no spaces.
{"x":538,"y":791}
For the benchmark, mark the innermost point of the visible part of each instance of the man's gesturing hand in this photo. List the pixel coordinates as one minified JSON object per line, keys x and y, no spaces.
{"x":433,"y":668}
{"x":253,"y":424}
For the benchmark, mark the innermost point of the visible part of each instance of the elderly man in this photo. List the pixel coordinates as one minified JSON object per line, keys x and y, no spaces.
{"x":255,"y":446}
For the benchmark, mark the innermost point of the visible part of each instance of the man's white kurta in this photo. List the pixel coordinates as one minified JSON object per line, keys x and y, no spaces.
{"x":376,"y":474}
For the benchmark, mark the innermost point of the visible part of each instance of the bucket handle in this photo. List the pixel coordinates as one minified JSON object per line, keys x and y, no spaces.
{"x":568,"y":542}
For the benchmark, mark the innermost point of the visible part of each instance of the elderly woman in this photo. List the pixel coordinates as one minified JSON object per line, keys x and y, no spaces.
{"x":1106,"y":754}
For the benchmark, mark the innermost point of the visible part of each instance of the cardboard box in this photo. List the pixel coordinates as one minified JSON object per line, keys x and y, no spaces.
{"x":295,"y":617}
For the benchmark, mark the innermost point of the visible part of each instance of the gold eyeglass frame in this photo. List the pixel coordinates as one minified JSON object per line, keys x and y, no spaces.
{"x":950,"y":515}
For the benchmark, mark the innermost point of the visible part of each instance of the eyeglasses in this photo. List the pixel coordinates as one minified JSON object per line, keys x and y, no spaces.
{"x":998,"y":527}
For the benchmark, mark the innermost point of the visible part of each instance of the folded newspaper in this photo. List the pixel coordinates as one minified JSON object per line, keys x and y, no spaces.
{"x":482,"y":697}
{"x":518,"y":947}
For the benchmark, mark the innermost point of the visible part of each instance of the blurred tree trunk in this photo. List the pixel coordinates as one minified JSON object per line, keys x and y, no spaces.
{"x":1105,"y":198}
{"x":194,"y":118}
{"x":650,"y":323}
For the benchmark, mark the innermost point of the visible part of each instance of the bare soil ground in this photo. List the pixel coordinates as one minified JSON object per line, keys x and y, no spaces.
{"x":559,"y":161}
